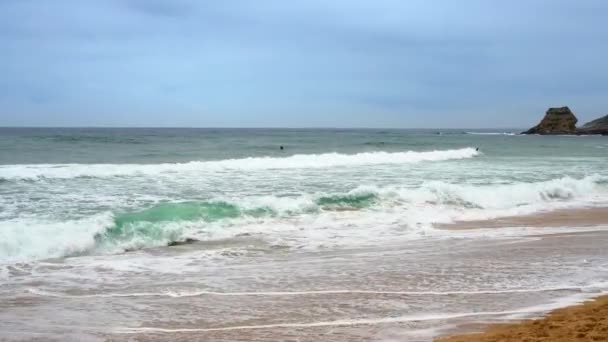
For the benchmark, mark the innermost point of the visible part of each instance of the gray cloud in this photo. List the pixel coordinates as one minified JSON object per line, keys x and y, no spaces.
{"x":310,"y":63}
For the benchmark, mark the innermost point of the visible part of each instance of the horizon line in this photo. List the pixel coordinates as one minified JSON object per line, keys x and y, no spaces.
{"x":257,"y":127}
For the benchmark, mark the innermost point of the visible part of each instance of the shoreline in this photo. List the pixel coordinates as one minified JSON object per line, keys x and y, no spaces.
{"x":421,"y":290}
{"x":575,"y":217}
{"x":587,"y":321}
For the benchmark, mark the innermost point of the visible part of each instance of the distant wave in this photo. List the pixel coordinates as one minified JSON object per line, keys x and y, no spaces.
{"x":84,"y":138}
{"x":167,"y":222}
{"x":298,"y":161}
{"x":491,"y":133}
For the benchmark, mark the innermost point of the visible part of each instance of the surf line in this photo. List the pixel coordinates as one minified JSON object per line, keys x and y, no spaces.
{"x":175,"y":294}
{"x":350,"y":322}
{"x":578,"y":298}
{"x":304,"y":325}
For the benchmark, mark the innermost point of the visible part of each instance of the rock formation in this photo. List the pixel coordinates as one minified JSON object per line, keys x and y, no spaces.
{"x":563,"y":121}
{"x":556,"y":121}
{"x":597,"y":126}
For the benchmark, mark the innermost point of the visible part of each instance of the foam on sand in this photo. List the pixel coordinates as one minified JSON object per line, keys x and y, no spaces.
{"x":366,"y":321}
{"x":572,"y":217}
{"x":586,"y":322}
{"x":200,"y":293}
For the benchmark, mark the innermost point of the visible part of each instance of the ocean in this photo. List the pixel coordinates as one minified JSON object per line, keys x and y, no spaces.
{"x":219,"y":234}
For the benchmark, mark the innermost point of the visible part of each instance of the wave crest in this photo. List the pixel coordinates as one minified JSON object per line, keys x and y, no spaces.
{"x":360,"y":212}
{"x":491,"y":133}
{"x":298,"y":161}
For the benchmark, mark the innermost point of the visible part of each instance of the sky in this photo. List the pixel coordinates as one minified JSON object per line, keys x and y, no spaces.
{"x":300,"y":63}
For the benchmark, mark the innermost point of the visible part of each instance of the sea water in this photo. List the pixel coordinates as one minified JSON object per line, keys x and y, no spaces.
{"x":89,"y":213}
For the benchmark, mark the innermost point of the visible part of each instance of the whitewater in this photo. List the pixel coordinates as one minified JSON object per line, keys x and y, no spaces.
{"x":299,"y":161}
{"x":417,"y":209}
{"x":144,"y":224}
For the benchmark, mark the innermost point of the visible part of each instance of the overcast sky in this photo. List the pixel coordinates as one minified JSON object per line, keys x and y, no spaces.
{"x":300,"y":63}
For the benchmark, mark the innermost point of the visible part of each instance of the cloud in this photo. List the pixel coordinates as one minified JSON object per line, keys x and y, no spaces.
{"x":310,"y":63}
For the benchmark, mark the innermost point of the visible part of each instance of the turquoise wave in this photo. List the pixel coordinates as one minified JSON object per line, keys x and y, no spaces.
{"x":164,"y":222}
{"x":169,"y":222}
{"x":348,"y":201}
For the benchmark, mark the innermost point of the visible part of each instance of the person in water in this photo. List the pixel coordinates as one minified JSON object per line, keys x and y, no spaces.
{"x":281,"y":147}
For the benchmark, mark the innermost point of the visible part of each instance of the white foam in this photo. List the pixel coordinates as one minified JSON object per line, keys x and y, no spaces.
{"x":397,"y":212}
{"x":299,"y":161}
{"x":526,"y":311}
{"x":441,"y":202}
{"x":197,"y":293}
{"x":4,"y":272}
{"x":27,"y":239}
{"x":337,"y":323}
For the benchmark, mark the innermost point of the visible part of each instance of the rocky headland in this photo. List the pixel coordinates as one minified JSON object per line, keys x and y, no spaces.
{"x":560,"y":121}
{"x":597,"y":126}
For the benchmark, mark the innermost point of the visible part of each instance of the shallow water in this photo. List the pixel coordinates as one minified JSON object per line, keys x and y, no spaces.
{"x":408,"y":291}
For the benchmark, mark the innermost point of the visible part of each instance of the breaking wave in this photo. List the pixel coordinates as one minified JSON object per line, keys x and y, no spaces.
{"x":167,"y":222}
{"x":298,"y":161}
{"x":491,"y":133}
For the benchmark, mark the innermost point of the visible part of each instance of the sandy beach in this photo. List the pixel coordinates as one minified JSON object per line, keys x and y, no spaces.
{"x":584,"y":322}
{"x":583,"y":217}
{"x":405,"y":291}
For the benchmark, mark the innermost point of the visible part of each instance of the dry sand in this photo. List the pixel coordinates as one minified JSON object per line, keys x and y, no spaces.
{"x":585,"y":322}
{"x":559,"y":218}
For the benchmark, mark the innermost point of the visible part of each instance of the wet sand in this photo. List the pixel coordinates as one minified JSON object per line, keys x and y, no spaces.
{"x":585,"y":322}
{"x":413,"y":290}
{"x":586,"y":217}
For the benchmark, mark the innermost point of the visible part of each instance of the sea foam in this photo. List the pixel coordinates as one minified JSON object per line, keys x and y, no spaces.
{"x":28,"y":239}
{"x":298,"y":161}
{"x":359,"y":216}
